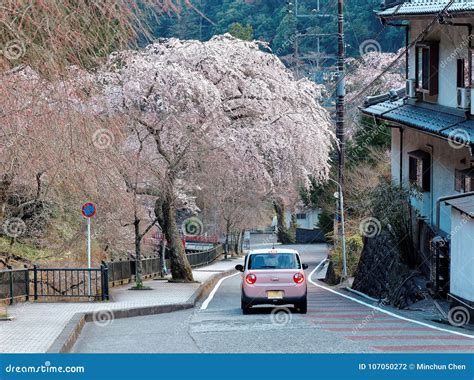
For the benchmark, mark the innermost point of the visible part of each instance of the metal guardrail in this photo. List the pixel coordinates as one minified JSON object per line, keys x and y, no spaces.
{"x":70,"y":282}
{"x":53,"y":283}
{"x":58,"y":283}
{"x":199,"y":259}
{"x":119,"y":270}
{"x":14,"y":284}
{"x":266,"y":230}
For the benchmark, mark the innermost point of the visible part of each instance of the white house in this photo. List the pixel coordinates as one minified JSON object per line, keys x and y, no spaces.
{"x":432,"y":126}
{"x":306,"y":218}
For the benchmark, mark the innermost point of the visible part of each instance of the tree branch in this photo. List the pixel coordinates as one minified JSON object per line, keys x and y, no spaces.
{"x":150,"y":226}
{"x":156,"y":135}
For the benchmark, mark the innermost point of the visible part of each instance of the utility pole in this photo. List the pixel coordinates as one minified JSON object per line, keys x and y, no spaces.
{"x":321,"y":56}
{"x":340,"y":197}
{"x":340,"y":132}
{"x":340,"y":92}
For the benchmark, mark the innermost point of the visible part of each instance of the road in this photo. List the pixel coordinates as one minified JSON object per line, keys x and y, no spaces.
{"x":334,"y":324}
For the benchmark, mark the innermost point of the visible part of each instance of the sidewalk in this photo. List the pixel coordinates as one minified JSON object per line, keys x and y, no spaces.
{"x":36,"y":325}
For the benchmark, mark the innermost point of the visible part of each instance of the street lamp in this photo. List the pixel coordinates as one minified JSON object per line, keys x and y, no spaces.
{"x":343,"y":237}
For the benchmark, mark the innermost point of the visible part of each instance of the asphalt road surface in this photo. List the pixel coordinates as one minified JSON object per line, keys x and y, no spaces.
{"x":334,"y":324}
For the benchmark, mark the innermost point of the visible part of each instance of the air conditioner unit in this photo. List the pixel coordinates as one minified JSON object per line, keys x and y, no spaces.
{"x":411,"y":88}
{"x":464,"y":98}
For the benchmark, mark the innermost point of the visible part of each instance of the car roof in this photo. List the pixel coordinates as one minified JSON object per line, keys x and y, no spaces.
{"x":273,"y":250}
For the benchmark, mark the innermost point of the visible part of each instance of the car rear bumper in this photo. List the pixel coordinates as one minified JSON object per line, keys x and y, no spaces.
{"x":265,"y":301}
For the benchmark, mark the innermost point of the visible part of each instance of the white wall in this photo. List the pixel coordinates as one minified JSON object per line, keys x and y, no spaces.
{"x":453,"y":45}
{"x":445,"y":160}
{"x":462,"y":256}
{"x":311,"y":221}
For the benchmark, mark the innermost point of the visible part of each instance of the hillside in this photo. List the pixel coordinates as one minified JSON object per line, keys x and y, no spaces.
{"x":269,"y":20}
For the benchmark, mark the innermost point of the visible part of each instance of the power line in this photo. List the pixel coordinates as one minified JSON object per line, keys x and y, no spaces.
{"x":407,"y":48}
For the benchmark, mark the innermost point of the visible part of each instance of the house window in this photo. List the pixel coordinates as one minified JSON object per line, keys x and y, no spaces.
{"x":464,"y":180}
{"x":420,"y":170}
{"x":426,"y":66}
{"x":301,"y":216}
{"x":462,"y":73}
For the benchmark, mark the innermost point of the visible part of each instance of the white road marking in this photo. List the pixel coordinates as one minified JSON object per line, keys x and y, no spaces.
{"x":317,"y":267}
{"x":208,"y":300}
{"x":384,"y":311}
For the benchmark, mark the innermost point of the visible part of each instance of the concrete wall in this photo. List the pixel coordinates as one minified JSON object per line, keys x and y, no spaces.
{"x":453,"y":46}
{"x":462,"y":256}
{"x":311,"y":221}
{"x":445,"y":160}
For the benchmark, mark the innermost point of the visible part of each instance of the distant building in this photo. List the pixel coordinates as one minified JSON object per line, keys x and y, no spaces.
{"x":307,"y":218}
{"x":307,"y":225}
{"x":432,"y":127}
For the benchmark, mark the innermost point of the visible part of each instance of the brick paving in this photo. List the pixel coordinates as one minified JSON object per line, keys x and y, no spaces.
{"x":36,"y":325}
{"x":379,"y":331}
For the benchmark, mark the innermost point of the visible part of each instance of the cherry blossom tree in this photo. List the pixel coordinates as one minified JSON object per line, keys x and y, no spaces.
{"x":229,"y":189}
{"x":53,"y":157}
{"x":362,"y":71}
{"x":197,"y":99}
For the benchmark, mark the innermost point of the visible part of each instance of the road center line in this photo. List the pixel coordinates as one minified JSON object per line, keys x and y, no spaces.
{"x":208,"y":300}
{"x":382,"y":310}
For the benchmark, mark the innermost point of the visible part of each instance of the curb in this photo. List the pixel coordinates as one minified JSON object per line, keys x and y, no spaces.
{"x":206,"y":286}
{"x":349,"y":289}
{"x":71,"y":332}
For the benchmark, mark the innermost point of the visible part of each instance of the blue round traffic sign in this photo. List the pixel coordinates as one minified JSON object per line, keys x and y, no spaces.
{"x":88,"y":210}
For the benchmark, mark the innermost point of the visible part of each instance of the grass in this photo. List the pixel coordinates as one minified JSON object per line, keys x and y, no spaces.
{"x":22,"y":250}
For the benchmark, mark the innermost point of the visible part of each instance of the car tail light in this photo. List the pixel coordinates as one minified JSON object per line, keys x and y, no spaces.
{"x":250,"y":279}
{"x":298,"y":278}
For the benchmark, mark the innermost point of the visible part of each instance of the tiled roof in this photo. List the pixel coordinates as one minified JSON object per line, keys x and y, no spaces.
{"x":463,"y":131}
{"x":424,"y":118}
{"x":421,"y":7}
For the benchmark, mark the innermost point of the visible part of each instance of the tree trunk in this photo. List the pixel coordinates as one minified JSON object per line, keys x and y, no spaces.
{"x":138,"y":254}
{"x":283,"y":233}
{"x":5,"y":182}
{"x":226,"y":244}
{"x":166,"y":213}
{"x":235,"y":242}
{"x":239,"y":242}
{"x":242,"y":236}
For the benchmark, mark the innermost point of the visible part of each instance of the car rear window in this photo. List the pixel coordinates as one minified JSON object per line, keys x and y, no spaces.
{"x":274,"y":261}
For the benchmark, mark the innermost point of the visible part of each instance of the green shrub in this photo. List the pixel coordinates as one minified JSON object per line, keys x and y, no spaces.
{"x":354,"y":246}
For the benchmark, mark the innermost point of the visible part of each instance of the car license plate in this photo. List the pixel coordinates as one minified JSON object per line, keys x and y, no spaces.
{"x":274,"y":294}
